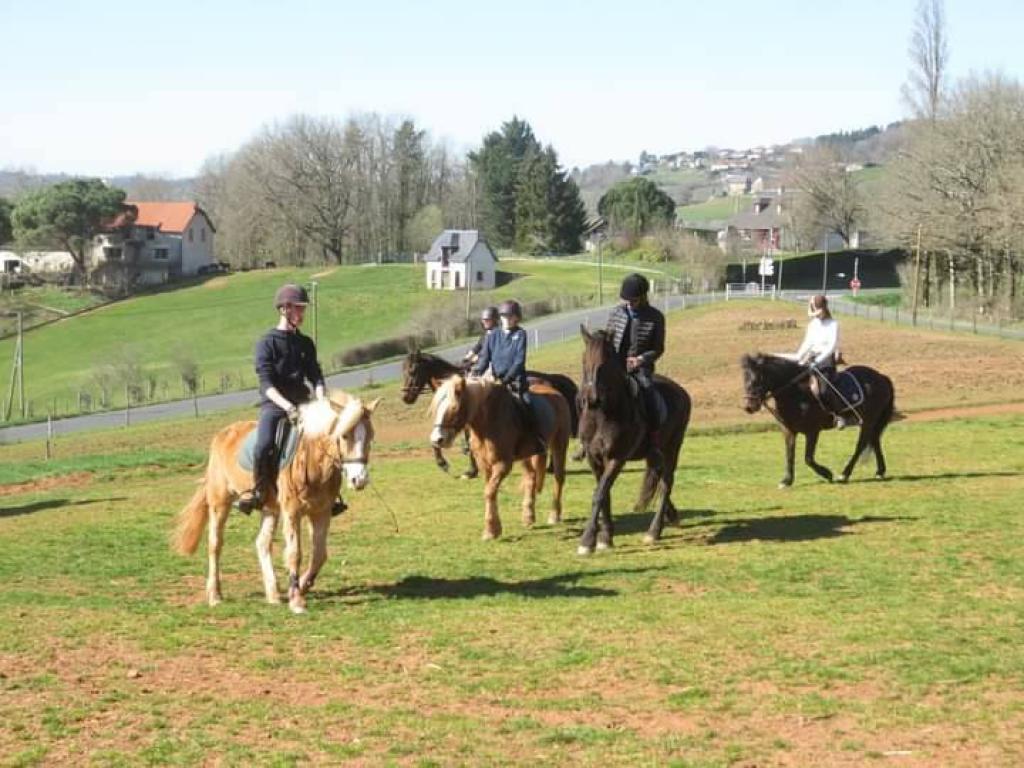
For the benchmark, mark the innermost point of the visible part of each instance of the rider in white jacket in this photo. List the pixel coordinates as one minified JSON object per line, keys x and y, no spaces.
{"x":820,"y":350}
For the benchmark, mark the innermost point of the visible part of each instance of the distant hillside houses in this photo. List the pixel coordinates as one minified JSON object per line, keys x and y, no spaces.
{"x":460,"y":257}
{"x":153,"y":242}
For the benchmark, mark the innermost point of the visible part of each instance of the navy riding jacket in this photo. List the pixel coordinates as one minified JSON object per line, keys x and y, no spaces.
{"x":505,"y":352}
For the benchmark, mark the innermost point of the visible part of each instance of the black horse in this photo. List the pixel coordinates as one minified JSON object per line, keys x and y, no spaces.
{"x":422,"y":371}
{"x":797,"y":409}
{"x":614,"y":430}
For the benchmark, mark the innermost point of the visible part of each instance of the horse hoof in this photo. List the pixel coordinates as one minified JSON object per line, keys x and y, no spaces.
{"x":584,"y":551}
{"x":649,"y":539}
{"x":879,"y":476}
{"x":488,"y":536}
{"x":554,"y":519}
{"x":468,"y":476}
{"x":214,"y":601}
{"x":603,"y":546}
{"x":297,"y":609}
{"x":784,"y":485}
{"x":843,"y":479}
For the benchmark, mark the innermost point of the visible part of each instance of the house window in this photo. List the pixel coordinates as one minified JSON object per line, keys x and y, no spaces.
{"x":190,"y":234}
{"x":160,"y":254}
{"x":150,"y":234}
{"x":457,"y":276}
{"x":479,"y":276}
{"x":111,"y":254}
{"x":202,"y":234}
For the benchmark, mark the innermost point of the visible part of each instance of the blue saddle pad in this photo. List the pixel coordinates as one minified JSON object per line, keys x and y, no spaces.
{"x":543,"y":414}
{"x":247,"y":450}
{"x":851,"y":390}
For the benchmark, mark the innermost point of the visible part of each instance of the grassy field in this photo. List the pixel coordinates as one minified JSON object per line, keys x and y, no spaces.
{"x":874,"y":623}
{"x":719,"y":209}
{"x":217,"y":322}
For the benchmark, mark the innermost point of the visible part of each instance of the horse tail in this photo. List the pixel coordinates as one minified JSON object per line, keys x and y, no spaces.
{"x":886,"y":416}
{"x":647,"y":491}
{"x":542,"y":471}
{"x":192,"y":522}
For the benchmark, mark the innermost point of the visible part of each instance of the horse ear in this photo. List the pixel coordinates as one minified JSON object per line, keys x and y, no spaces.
{"x":585,"y":333}
{"x":373,"y":405}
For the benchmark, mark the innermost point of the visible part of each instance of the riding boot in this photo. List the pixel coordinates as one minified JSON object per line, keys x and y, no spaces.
{"x":262,"y":481}
{"x":338,"y":506}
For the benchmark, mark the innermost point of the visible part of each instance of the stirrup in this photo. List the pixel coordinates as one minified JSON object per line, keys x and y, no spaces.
{"x":338,"y":507}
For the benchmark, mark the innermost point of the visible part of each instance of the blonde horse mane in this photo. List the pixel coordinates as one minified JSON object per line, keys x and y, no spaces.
{"x":473,"y":390}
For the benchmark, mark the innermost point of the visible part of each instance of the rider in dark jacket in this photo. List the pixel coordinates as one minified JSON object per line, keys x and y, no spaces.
{"x":285,"y":360}
{"x":637,"y":333}
{"x":505,"y":353}
{"x":488,"y":319}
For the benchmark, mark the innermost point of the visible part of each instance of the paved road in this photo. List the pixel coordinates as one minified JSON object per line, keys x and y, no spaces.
{"x":543,"y":331}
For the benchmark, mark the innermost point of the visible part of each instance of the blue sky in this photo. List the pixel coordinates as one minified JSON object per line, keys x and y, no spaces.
{"x":108,"y":88}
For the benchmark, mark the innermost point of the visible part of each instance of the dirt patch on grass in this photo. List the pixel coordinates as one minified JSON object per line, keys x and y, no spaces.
{"x":64,"y":482}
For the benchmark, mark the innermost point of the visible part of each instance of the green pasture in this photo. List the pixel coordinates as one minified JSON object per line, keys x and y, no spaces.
{"x":871,"y":623}
{"x":718,"y":209}
{"x":216,"y":323}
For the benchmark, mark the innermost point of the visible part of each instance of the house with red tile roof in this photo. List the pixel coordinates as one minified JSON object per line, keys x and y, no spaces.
{"x":150,"y":243}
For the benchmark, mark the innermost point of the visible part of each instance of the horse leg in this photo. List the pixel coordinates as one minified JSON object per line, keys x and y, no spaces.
{"x":473,"y":470}
{"x":790,"y":437}
{"x":648,"y":488}
{"x":492,"y":523}
{"x":558,"y":476}
{"x":318,"y":528}
{"x":876,"y":446}
{"x":530,"y":474}
{"x":293,"y":560}
{"x":600,"y":508}
{"x":810,"y":445}
{"x":440,"y":460}
{"x":665,"y":509}
{"x":264,"y":545}
{"x":862,"y":444}
{"x":218,"y":516}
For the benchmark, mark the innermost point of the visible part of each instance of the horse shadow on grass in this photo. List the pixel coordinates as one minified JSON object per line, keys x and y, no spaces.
{"x":418,"y":587}
{"x":941,"y":476}
{"x":638,"y":522}
{"x":39,"y":506}
{"x":792,"y":527}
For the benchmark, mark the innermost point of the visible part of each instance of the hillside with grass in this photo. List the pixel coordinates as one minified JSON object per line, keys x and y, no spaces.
{"x":214,"y":325}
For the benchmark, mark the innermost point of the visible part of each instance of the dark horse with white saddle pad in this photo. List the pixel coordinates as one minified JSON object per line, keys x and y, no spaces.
{"x":614,"y":430}
{"x":861,"y":394}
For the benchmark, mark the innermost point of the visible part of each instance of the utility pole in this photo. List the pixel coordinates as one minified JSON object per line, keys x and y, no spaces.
{"x":17,"y":376}
{"x":316,"y":313}
{"x":917,"y":276}
{"x":600,"y":272}
{"x":469,"y":285}
{"x":21,"y":367}
{"x":824,"y":268}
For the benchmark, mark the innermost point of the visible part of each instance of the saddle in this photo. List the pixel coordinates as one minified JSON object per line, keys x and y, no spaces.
{"x":286,"y":440}
{"x":850,"y":392}
{"x":660,"y":415}
{"x":539,"y":412}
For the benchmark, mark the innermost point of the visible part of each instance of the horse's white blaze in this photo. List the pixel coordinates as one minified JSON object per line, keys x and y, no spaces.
{"x":439,"y":435}
{"x":358,"y":473}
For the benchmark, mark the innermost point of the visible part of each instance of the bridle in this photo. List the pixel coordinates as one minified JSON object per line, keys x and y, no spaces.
{"x":764,"y":394}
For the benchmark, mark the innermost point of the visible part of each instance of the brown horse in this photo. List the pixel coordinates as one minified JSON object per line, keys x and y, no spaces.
{"x":422,"y":371}
{"x":614,"y":430}
{"x":499,"y":437}
{"x":798,"y":410}
{"x":335,"y":439}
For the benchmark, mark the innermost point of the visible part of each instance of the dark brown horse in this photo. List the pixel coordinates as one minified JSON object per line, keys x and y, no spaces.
{"x":614,"y":430}
{"x":500,"y":436}
{"x":422,"y":371}
{"x":798,"y":410}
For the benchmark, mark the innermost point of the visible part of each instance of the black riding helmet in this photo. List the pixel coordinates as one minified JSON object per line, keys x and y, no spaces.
{"x":489,"y":313}
{"x":634,"y":287}
{"x":291,"y":294}
{"x":510,"y":308}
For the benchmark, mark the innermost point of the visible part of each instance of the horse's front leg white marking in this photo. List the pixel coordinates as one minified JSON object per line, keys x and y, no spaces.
{"x":264,"y":546}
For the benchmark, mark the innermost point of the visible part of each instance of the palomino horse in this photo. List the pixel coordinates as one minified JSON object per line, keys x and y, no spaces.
{"x":422,"y":370}
{"x":499,"y":437}
{"x":614,"y":430}
{"x":798,"y":410}
{"x":335,"y":439}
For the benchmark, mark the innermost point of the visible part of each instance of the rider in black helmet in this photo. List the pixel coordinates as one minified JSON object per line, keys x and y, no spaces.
{"x":489,"y":320}
{"x":285,"y":361}
{"x":505,"y":353}
{"x":637,"y":333}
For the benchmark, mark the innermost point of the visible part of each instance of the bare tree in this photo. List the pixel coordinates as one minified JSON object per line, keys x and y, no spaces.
{"x":826,"y":197}
{"x":929,"y":60}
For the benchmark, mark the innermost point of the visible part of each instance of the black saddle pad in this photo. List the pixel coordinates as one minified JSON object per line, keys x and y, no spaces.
{"x":850,"y":389}
{"x":661,"y":406}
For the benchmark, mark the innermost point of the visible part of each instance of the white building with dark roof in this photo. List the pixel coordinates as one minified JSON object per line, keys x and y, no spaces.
{"x":458,"y":256}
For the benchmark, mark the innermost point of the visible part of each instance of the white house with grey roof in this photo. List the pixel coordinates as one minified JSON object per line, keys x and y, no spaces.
{"x":458,"y":256}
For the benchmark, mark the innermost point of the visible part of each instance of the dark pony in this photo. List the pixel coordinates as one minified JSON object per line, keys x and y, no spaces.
{"x":613,"y":430}
{"x":422,"y":371}
{"x":798,"y":411}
